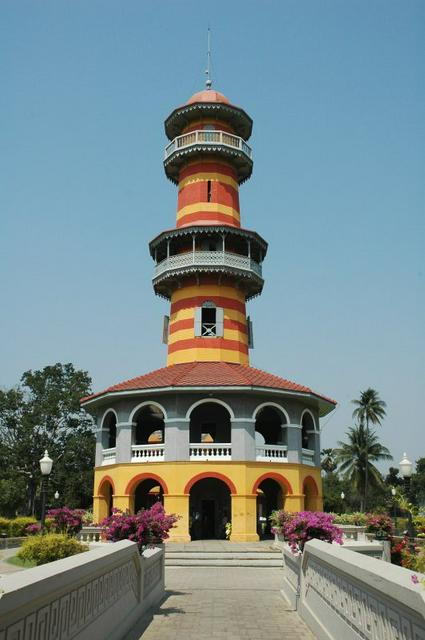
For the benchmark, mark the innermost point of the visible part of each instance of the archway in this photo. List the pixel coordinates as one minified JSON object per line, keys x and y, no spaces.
{"x":209,"y":509}
{"x":271,"y":490}
{"x":307,"y":432}
{"x":106,"y":502}
{"x":109,"y":430}
{"x":311,"y":493}
{"x":149,"y":425}
{"x":270,"y":426}
{"x":147,"y":493}
{"x":210,"y":422}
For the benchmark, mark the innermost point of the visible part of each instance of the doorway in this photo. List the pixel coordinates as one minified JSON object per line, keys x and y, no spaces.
{"x":209,"y":509}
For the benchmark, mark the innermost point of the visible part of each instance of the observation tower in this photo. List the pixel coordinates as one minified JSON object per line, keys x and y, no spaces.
{"x":211,"y":437}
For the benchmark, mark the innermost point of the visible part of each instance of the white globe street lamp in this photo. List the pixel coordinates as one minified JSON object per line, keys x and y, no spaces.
{"x":56,"y":495}
{"x":46,"y":464}
{"x":406,"y":470}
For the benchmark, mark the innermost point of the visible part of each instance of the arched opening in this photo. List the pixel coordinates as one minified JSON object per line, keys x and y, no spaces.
{"x":209,"y":509}
{"x":147,"y":493}
{"x":209,"y":423}
{"x":307,"y":433}
{"x":106,"y":502}
{"x":270,"y":426}
{"x":310,"y":494}
{"x":109,"y":431}
{"x":149,"y":427}
{"x":269,"y":498}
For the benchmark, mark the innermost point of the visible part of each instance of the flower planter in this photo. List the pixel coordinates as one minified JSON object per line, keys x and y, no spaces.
{"x":279,"y":540}
{"x":292,"y":576}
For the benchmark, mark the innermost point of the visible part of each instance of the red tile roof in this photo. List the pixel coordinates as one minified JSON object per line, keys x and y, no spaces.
{"x":207,"y":374}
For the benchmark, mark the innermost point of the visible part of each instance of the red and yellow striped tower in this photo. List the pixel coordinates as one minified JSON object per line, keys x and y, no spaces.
{"x":208,"y":266}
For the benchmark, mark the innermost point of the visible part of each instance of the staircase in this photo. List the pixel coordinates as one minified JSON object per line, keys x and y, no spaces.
{"x":221,"y":553}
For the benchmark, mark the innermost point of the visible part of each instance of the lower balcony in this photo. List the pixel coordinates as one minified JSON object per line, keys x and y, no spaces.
{"x":109,"y":456}
{"x":271,"y":453}
{"x":202,"y":451}
{"x":307,"y":456}
{"x":147,"y":453}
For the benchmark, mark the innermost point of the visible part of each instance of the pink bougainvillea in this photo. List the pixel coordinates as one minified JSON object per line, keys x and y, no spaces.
{"x":308,"y":525}
{"x":65,"y":520}
{"x":149,"y":526}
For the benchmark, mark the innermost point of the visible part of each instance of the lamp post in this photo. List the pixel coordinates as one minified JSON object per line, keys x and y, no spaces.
{"x":56,"y":495}
{"x":393,"y":493}
{"x":46,"y":468}
{"x":343,"y":498}
{"x":406,"y":469}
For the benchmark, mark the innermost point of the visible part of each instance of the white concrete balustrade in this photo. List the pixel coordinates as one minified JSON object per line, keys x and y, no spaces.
{"x":147,"y":453}
{"x":271,"y":453}
{"x":109,"y":456}
{"x":345,"y":595}
{"x":307,"y":456}
{"x":101,"y":593}
{"x":201,"y":451}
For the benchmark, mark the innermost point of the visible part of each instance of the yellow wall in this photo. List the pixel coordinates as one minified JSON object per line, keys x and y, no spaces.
{"x":295,"y":480}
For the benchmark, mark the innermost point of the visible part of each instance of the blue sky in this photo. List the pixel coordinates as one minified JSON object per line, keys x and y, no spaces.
{"x":336,"y":91}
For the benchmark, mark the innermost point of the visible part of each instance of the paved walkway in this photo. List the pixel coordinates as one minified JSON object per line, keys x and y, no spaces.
{"x":6,"y":568}
{"x":240,"y":603}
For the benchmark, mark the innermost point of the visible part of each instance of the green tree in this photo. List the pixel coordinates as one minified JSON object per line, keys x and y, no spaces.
{"x":358,"y":454}
{"x":328,"y":460}
{"x":370,"y":409}
{"x":417,"y":490}
{"x":44,"y":413}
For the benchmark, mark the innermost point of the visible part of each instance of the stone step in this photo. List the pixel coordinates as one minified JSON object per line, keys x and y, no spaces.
{"x":222,"y":562}
{"x":222,"y":555}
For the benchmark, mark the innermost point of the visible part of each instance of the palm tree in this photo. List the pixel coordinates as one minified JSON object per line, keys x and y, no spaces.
{"x":328,"y":461}
{"x":355,"y":458}
{"x":370,"y":409}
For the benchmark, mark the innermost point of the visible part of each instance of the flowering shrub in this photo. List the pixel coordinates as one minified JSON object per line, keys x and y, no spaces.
{"x":356,"y":519}
{"x":307,"y":525}
{"x":149,"y":526}
{"x":279,"y":520}
{"x":17,"y":526}
{"x":397,"y":551}
{"x":33,"y":529}
{"x":65,"y":520}
{"x":380,"y":525}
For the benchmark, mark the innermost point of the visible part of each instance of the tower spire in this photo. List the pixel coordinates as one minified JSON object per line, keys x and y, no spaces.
{"x":208,"y":81}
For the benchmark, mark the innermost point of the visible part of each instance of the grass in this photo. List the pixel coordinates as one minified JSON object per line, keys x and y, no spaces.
{"x":17,"y":562}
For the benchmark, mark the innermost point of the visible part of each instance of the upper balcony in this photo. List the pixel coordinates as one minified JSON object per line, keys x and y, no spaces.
{"x":207,"y":261}
{"x":198,"y":142}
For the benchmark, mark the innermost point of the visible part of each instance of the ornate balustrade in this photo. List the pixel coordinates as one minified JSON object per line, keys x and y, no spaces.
{"x":90,"y":534}
{"x":307,"y":456}
{"x":109,"y":456}
{"x":147,"y":453}
{"x":201,"y":451}
{"x":208,"y":138}
{"x":205,"y":259}
{"x":271,"y":453}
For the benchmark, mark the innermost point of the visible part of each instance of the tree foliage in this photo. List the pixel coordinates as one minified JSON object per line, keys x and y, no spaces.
{"x":358,"y":454}
{"x":43,"y":412}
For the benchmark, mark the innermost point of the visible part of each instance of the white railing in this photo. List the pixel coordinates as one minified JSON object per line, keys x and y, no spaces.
{"x":209,"y":138}
{"x":109,"y":456}
{"x":90,"y":534}
{"x":147,"y":453}
{"x":208,"y":259}
{"x":271,"y":453}
{"x":201,"y":451}
{"x":307,"y":456}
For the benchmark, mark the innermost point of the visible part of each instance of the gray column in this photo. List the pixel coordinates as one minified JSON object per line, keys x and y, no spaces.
{"x":176,"y":439}
{"x":243,"y":439}
{"x":99,"y":449}
{"x":124,"y":431}
{"x":316,"y":446}
{"x":294,"y":442}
